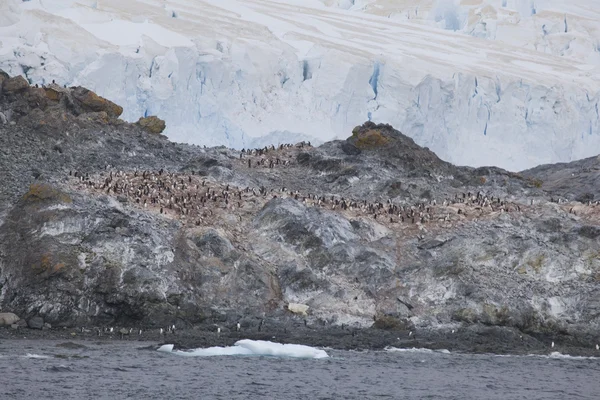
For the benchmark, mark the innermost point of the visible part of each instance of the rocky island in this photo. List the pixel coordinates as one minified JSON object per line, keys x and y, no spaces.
{"x":109,"y":230}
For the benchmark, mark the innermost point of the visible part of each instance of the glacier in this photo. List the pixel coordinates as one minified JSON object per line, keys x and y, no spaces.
{"x":511,"y":83}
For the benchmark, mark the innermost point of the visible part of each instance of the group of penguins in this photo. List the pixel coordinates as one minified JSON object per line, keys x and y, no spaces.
{"x":197,"y":200}
{"x":123,"y":332}
{"x":269,"y":156}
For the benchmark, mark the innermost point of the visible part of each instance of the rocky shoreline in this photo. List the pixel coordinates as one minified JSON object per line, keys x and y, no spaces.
{"x":352,"y":244}
{"x":475,"y":339}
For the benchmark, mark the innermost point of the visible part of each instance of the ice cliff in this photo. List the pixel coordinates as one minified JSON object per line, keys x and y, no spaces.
{"x":514,"y":86}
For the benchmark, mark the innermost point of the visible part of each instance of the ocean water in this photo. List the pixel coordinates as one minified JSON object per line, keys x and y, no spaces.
{"x":127,"y":370}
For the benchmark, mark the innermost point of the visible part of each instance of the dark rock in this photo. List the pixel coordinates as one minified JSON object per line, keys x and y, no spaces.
{"x":590,"y":232}
{"x":431,"y":244}
{"x":71,"y":345}
{"x":386,"y":322}
{"x":350,"y":149}
{"x":303,"y":158}
{"x":36,"y":323}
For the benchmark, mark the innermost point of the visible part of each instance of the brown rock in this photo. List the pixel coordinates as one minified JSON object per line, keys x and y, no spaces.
{"x":91,"y":102}
{"x":36,"y":97}
{"x":53,"y":94}
{"x":152,"y":124}
{"x":15,"y":84}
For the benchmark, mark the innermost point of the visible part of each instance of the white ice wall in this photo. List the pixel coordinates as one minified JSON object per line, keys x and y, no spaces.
{"x":231,"y":71}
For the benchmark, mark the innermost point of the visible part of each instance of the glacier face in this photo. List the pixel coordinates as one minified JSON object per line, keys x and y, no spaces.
{"x":242,"y":72}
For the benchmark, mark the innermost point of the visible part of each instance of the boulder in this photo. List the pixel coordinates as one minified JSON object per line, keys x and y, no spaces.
{"x":89,"y":101}
{"x":53,"y":94}
{"x":15,"y":84}
{"x":152,"y":124}
{"x":36,"y":323}
{"x":3,"y":76}
{"x":36,"y":97}
{"x":300,"y":309}
{"x":8,"y":318}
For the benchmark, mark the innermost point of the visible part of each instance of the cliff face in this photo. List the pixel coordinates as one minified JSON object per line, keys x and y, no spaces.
{"x":102,"y":223}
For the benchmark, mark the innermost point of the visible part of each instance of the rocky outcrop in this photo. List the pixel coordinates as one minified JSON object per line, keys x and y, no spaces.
{"x":89,"y":101}
{"x":282,"y":237}
{"x":152,"y":124}
{"x":14,"y":85}
{"x":52,"y":107}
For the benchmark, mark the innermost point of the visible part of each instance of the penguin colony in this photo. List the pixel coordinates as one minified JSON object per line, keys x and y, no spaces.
{"x":196,"y":200}
{"x":200,"y":201}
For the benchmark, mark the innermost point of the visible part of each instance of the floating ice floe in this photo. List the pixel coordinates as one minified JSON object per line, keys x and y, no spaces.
{"x":415,"y":350}
{"x":556,"y":354}
{"x":251,"y":347}
{"x":36,"y":356}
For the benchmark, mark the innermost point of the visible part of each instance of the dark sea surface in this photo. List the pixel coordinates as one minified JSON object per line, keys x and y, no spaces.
{"x":47,"y":369}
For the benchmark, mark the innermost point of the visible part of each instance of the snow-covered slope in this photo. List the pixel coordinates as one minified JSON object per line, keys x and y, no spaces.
{"x":564,"y":28}
{"x":232,"y":71}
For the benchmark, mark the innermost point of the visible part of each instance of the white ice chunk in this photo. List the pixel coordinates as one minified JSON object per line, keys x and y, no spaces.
{"x":262,"y":347}
{"x":36,"y":356}
{"x":251,"y":347}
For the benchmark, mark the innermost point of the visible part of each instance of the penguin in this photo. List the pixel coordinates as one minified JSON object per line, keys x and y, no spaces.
{"x":238,"y":327}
